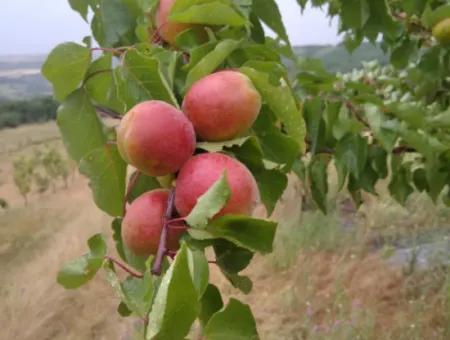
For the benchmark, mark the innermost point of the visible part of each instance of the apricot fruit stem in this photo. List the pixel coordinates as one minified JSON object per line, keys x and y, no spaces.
{"x":125,"y":268}
{"x":176,"y":220}
{"x":162,"y":247}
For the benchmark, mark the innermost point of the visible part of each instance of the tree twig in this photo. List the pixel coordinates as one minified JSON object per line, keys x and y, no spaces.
{"x":162,"y":248}
{"x":108,"y":112}
{"x":125,"y":268}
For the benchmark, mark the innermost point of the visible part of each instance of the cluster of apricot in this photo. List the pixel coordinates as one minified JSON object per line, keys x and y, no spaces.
{"x":158,"y":140}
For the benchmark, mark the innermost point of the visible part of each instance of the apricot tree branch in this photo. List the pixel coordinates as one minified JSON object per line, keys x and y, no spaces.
{"x":108,"y":112}
{"x":162,"y":248}
{"x":125,"y":268}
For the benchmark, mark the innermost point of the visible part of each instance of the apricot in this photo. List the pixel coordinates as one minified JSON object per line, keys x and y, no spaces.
{"x":143,"y":223}
{"x":202,"y":171}
{"x":156,"y":138}
{"x":167,"y":29}
{"x":441,"y":31}
{"x":222,"y":105}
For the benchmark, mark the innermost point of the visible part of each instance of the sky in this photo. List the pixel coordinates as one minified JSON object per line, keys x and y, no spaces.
{"x":35,"y":27}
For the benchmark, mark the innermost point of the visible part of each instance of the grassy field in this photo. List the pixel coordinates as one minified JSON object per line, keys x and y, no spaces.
{"x":330,"y":277}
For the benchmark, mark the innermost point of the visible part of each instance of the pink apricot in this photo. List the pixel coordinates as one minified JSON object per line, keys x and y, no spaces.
{"x":202,"y":171}
{"x":143,"y":222}
{"x":156,"y":138}
{"x":222,"y":105}
{"x":167,"y":29}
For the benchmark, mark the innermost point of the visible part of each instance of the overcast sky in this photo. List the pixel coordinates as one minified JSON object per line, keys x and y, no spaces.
{"x":35,"y":26}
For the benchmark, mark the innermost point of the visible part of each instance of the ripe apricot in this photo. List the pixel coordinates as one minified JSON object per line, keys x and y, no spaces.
{"x":156,"y":138}
{"x":202,"y":171}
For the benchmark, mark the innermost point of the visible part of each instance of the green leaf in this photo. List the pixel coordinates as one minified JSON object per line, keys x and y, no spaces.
{"x":282,"y":102}
{"x":210,"y":203}
{"x":211,"y":302}
{"x":138,"y":294}
{"x":81,"y":6}
{"x":100,"y":86}
{"x":315,"y":124}
{"x":271,"y":184}
{"x":211,"y":61}
{"x":400,"y":187}
{"x":78,"y":272}
{"x":231,"y":258}
{"x":206,"y":12}
{"x":253,"y":234}
{"x":80,"y":127}
{"x":355,"y":13}
{"x":276,"y":146}
{"x":106,"y":171}
{"x":145,"y":72}
{"x":235,"y":321}
{"x":219,"y":146}
{"x":318,"y":173}
{"x":269,"y":13}
{"x":65,"y":68}
{"x":116,"y":226}
{"x":114,"y":24}
{"x":243,"y":283}
{"x":141,"y":185}
{"x":351,"y":156}
{"x":176,"y":304}
{"x":199,"y":267}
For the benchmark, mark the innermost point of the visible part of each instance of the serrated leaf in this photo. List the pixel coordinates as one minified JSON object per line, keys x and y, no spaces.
{"x":206,"y":12}
{"x":318,"y":174}
{"x":281,"y":101}
{"x":400,"y":187}
{"x":351,"y":156}
{"x":80,"y":127}
{"x":176,"y":302}
{"x":235,"y":321}
{"x":199,"y":267}
{"x":145,"y":72}
{"x":100,"y":86}
{"x":211,"y":302}
{"x":253,"y":234}
{"x":116,"y":226}
{"x":138,"y":294}
{"x":141,"y":185}
{"x":114,"y":24}
{"x":315,"y":124}
{"x":271,"y":184}
{"x":210,"y":203}
{"x":135,"y":293}
{"x":241,"y":282}
{"x":65,"y":68}
{"x":78,"y":272}
{"x":81,"y":6}
{"x":355,"y":13}
{"x":269,"y":13}
{"x":106,"y":171}
{"x":231,"y":258}
{"x":219,"y":146}
{"x":211,"y":61}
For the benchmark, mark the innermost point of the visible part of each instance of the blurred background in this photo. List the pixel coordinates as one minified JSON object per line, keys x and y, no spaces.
{"x":378,"y":270}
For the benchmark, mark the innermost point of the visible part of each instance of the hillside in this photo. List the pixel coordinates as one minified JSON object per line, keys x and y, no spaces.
{"x":20,"y":75}
{"x":338,"y":59}
{"x":20,"y":78}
